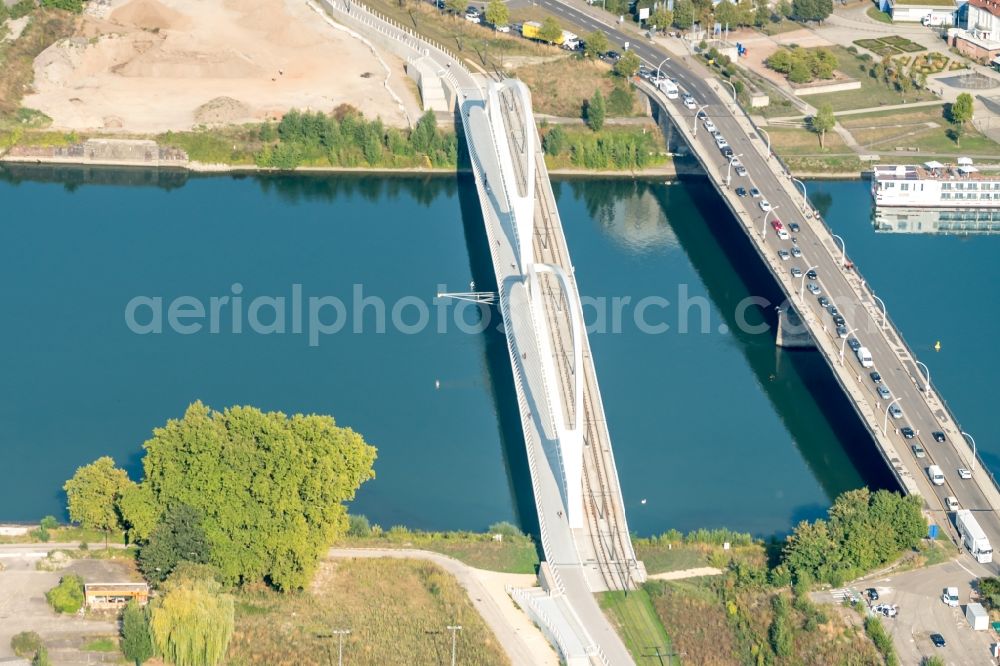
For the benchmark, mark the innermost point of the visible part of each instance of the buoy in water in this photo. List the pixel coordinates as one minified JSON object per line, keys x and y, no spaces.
{"x":437,"y":383}
{"x":643,"y":500}
{"x":937,"y":346}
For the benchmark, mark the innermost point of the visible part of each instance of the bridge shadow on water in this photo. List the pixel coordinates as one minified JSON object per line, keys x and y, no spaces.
{"x":821,"y":420}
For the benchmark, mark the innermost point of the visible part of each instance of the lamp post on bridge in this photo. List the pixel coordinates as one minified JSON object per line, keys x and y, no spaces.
{"x":763,"y":229}
{"x":802,"y":281}
{"x":805,"y":200}
{"x":730,"y":84}
{"x":927,"y":375}
{"x":729,"y":169}
{"x":659,"y":66}
{"x":694,"y":127}
{"x":843,"y":249}
{"x":969,"y":437}
{"x":884,"y":314}
{"x":885,"y":423}
{"x":843,"y":343}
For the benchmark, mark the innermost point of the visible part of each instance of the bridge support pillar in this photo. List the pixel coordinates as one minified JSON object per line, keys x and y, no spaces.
{"x":792,"y":333}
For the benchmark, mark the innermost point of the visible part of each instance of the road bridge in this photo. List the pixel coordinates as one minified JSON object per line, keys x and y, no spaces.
{"x":581,"y":515}
{"x":923,"y":408}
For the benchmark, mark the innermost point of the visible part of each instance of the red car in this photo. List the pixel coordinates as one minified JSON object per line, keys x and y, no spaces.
{"x":776,"y":223}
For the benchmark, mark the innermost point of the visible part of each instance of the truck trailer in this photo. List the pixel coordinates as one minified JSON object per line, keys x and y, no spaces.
{"x":977,"y":616}
{"x":973,"y":536}
{"x":566,"y":39}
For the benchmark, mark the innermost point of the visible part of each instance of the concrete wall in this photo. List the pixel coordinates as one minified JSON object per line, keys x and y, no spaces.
{"x":827,"y":88}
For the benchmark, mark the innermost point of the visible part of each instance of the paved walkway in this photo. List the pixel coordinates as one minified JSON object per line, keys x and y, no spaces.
{"x":697,"y":572}
{"x":520,"y":638}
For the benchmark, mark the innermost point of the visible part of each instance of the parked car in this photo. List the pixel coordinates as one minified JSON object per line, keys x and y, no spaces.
{"x":502,"y":28}
{"x":938,"y":640}
{"x":472,"y":15}
{"x":907,"y":432}
{"x":938,"y":436}
{"x":872,"y":594}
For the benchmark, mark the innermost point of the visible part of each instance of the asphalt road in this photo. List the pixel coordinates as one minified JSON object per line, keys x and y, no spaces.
{"x":920,"y":412}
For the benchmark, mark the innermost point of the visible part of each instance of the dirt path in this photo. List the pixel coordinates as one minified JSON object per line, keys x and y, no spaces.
{"x":522,"y":640}
{"x":686,"y":573}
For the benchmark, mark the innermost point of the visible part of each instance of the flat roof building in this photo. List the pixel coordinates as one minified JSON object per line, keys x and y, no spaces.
{"x":109,"y":596}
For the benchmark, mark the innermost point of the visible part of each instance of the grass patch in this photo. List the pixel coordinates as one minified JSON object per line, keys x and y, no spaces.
{"x":397,"y":611}
{"x":45,"y":28}
{"x":777,"y":27}
{"x":515,"y":554}
{"x":924,"y":128}
{"x":801,"y":141}
{"x":696,"y":620}
{"x":560,"y":87}
{"x":872,"y":93}
{"x":102,"y":644}
{"x":226,"y":145}
{"x":637,"y":623}
{"x":834,"y":164}
{"x":876,"y":15}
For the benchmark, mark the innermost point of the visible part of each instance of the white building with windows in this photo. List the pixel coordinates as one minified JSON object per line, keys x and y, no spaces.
{"x":935,"y":185}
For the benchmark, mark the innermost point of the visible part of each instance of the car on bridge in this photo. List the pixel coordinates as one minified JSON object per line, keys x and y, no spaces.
{"x":754,"y":192}
{"x":690,"y":103}
{"x":741,"y":170}
{"x":824,"y":302}
{"x":812,"y":286}
{"x":783,"y":255}
{"x":907,"y":432}
{"x":741,"y":191}
{"x":796,"y":272}
{"x":709,"y":125}
{"x":854,"y":344}
{"x":895,"y":412}
{"x":842,"y":331}
{"x":938,"y":436}
{"x":840,"y":321}
{"x":794,"y":226}
{"x":796,"y":252}
{"x":776,"y":224}
{"x":876,"y":377}
{"x":883,"y":392}
{"x":951,"y":503}
{"x":812,"y":275}
{"x":918,"y":451}
{"x":963,"y":473}
{"x":764,"y":204}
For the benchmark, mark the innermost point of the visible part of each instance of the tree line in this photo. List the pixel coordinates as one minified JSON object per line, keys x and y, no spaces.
{"x":346,"y":138}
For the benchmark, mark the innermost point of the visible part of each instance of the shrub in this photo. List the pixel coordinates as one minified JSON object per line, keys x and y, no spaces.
{"x":620,"y":101}
{"x":876,"y":631}
{"x":137,"y":641}
{"x":509,"y":530}
{"x":25,"y":643}
{"x":358,"y":526}
{"x":67,"y":596}
{"x":554,"y":141}
{"x":41,"y":658}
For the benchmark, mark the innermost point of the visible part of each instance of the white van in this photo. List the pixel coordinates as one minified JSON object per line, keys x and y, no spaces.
{"x":935,"y":474}
{"x":782,"y":234}
{"x":865,"y":357}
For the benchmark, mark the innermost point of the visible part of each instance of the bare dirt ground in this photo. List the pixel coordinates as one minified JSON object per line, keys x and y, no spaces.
{"x":148,"y":66}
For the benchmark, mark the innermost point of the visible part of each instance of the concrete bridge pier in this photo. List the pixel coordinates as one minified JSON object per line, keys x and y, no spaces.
{"x":792,"y":332}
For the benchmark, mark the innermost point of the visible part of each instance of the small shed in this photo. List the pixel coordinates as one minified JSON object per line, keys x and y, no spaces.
{"x":110,"y":596}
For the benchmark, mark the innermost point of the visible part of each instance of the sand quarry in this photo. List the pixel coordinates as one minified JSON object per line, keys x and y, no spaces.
{"x":148,"y":66}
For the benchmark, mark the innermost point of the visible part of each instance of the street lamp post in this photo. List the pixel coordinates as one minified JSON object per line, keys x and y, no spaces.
{"x":729,"y":169}
{"x":843,"y":343}
{"x":969,"y":437}
{"x":694,"y":127}
{"x":843,"y":249}
{"x":802,"y":281}
{"x":454,"y":629}
{"x":885,"y":423}
{"x":768,"y":137}
{"x":730,"y":84}
{"x":763,"y":229}
{"x":805,"y":200}
{"x":884,"y":314}
{"x":927,"y":375}
{"x":659,"y":66}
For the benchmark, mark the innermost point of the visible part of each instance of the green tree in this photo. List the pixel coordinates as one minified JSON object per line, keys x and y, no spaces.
{"x":726,"y":14}
{"x":92,"y":495}
{"x":139,"y":512}
{"x":41,"y":657}
{"x":781,"y":633}
{"x":662,"y":18}
{"x":425,"y":134}
{"x":628,"y":65}
{"x":761,"y":13}
{"x":26,"y":643}
{"x":192,"y":622}
{"x":989,"y":590}
{"x":554,"y":141}
{"x":683,"y":14}
{"x":550,"y":31}
{"x":75,"y":6}
{"x":67,"y":596}
{"x":596,"y":111}
{"x":596,"y":43}
{"x":269,"y":488}
{"x":497,"y":13}
{"x":178,"y":538}
{"x":455,"y":7}
{"x":961,"y":109}
{"x":137,"y":641}
{"x":799,"y":73}
{"x":822,"y":122}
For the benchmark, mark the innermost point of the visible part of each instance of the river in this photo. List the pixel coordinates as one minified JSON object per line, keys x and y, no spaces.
{"x":712,"y":425}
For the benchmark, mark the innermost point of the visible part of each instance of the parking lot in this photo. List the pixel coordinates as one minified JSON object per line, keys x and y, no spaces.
{"x":921,"y":612}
